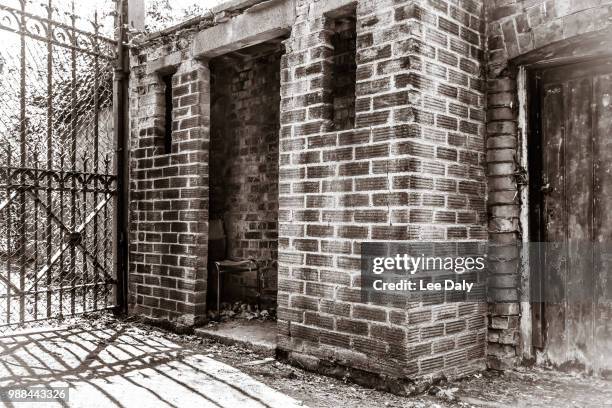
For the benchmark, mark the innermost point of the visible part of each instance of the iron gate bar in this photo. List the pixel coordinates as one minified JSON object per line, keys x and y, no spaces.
{"x":96,"y":145}
{"x":36,"y":241}
{"x":9,"y":283}
{"x":22,"y":163}
{"x":59,"y":175}
{"x":8,"y":200}
{"x":120,"y":112}
{"x":49,"y":227}
{"x":68,"y":287}
{"x":73,"y":142}
{"x":30,"y":187}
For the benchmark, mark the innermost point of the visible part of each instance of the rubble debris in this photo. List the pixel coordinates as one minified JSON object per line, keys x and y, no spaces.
{"x":444,"y":393}
{"x":241,"y":310}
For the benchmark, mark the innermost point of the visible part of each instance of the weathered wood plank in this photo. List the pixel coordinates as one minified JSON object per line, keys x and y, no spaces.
{"x":553,"y":138}
{"x":602,"y":156}
{"x":579,"y":213}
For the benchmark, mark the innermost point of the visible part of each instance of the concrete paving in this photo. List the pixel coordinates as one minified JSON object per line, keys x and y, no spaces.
{"x":123,"y":366}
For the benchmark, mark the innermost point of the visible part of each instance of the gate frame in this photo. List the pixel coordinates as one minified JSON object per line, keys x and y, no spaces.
{"x":121,"y":134}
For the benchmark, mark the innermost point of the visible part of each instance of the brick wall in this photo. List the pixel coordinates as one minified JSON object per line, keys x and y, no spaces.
{"x":169,"y":194}
{"x":518,"y":30}
{"x":413,"y":164}
{"x":411,"y":169}
{"x":244,"y":160}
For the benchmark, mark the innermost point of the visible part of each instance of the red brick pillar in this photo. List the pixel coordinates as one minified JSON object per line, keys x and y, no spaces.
{"x":169,"y":197}
{"x":411,"y":169}
{"x":504,"y":230}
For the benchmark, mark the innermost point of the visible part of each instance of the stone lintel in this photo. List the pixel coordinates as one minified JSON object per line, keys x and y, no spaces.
{"x":250,"y":28}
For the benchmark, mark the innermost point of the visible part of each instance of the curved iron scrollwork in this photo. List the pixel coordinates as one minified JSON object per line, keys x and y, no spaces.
{"x":63,"y":35}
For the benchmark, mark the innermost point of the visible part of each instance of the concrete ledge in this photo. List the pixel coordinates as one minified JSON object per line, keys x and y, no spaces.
{"x":260,"y":25}
{"x":254,"y":335}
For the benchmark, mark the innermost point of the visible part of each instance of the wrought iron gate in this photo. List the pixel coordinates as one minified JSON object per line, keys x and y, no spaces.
{"x":57,"y":181}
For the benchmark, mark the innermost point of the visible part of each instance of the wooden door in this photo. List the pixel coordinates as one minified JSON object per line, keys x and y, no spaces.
{"x":576,"y":213}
